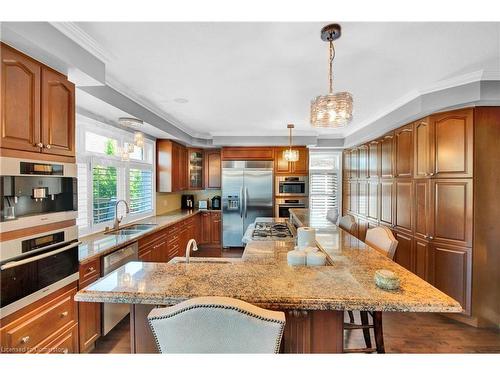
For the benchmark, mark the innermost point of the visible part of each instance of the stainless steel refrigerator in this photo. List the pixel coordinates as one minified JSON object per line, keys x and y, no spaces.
{"x":247,"y":193}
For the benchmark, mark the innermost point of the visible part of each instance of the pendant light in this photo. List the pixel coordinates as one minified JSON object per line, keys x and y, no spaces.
{"x":290,"y":154}
{"x":131,"y":122}
{"x":331,"y":110}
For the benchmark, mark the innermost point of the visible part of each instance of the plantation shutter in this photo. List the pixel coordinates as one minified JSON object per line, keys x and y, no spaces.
{"x":140,"y":185}
{"x":105,"y":181}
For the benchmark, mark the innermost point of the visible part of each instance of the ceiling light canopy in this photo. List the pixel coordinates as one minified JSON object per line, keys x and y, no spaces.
{"x":331,"y":110}
{"x":130,"y":121}
{"x":290,"y":154}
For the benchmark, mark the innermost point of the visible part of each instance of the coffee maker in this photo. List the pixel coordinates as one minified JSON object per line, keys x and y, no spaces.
{"x":187,"y":201}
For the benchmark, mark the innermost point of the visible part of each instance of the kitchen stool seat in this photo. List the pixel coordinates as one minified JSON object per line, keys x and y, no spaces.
{"x":348,"y":223}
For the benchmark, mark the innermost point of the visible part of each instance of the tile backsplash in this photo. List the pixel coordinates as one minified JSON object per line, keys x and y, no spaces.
{"x":166,"y":202}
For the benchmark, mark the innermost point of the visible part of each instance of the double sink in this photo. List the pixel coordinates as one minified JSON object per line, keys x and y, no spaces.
{"x":131,"y":229}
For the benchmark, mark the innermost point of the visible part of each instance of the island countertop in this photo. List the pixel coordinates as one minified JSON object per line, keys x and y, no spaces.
{"x":263,"y":277}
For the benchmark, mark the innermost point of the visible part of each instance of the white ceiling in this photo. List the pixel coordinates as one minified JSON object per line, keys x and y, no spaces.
{"x":251,"y":79}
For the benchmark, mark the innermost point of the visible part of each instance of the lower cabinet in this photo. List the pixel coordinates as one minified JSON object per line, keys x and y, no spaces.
{"x":49,"y":325}
{"x":404,"y":251}
{"x":89,"y":314}
{"x":422,"y":259}
{"x":211,"y":226}
{"x":451,"y":272}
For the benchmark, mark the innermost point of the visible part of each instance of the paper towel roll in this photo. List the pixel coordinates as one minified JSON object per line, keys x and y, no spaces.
{"x":316,"y":258}
{"x":306,"y":237}
{"x":296,"y":258}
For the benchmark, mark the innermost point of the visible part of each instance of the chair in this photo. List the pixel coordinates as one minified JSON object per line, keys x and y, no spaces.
{"x":332,"y":215}
{"x":216,"y":325}
{"x":382,"y":239}
{"x":348,"y":223}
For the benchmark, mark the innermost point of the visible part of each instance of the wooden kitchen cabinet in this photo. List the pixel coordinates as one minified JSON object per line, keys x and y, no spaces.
{"x":354,"y":169}
{"x":171,"y":166}
{"x":374,"y":159}
{"x":403,"y":151}
{"x":422,"y":153}
{"x":247,"y":153}
{"x":363,"y":162}
{"x":216,"y":228}
{"x":89,"y":314}
{"x":404,"y":251}
{"x":346,"y":162}
{"x":403,"y":203}
{"x":205,"y":228}
{"x":195,"y":168}
{"x":58,"y":114}
{"x":211,"y":226}
{"x":452,"y":143}
{"x":213,"y":169}
{"x":422,"y":206}
{"x":38,"y":107}
{"x":386,"y":202}
{"x":373,"y":200}
{"x":386,"y":156}
{"x":299,"y":167}
{"x":422,"y":252}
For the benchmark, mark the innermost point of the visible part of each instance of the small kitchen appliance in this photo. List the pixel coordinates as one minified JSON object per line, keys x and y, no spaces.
{"x":203,"y":205}
{"x":216,"y":202}
{"x":187,"y":201}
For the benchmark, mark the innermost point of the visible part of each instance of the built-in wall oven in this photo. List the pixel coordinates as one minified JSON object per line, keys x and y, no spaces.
{"x":292,"y":185}
{"x":36,"y":193}
{"x":284,"y":204}
{"x":34,"y":266}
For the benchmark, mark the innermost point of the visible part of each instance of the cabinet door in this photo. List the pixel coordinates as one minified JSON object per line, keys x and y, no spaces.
{"x":89,"y":321}
{"x":280,"y":164}
{"x":452,"y":211}
{"x":403,"y":144}
{"x":301,"y":166}
{"x":58,"y":114}
{"x":363,"y":161}
{"x":403,"y":205}
{"x":404,"y":251}
{"x":195,"y":168}
{"x":354,"y":170}
{"x":386,"y":156}
{"x":422,"y":207}
{"x":386,"y":202}
{"x":206,"y":228}
{"x":346,"y":161}
{"x":215,"y":228}
{"x":363,"y":198}
{"x":346,"y":197}
{"x":374,"y":159}
{"x":353,"y":196}
{"x":422,"y":148}
{"x":422,"y":258}
{"x":451,"y":272}
{"x":20,"y":101}
{"x":452,"y":156}
{"x":212,"y":169}
{"x":146,"y":254}
{"x":373,"y":200}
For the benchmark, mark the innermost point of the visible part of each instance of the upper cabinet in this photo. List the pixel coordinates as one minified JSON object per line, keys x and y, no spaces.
{"x":195,"y":170}
{"x":171,"y":166}
{"x":212,"y":169}
{"x":363,"y":161}
{"x":386,"y":155}
{"x":452,"y":141}
{"x":37,"y":106}
{"x":403,"y":147}
{"x":422,"y":148}
{"x":299,"y":167}
{"x":374,"y":159}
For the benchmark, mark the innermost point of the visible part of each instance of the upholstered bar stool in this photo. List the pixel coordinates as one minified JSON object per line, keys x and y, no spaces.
{"x":216,"y":325}
{"x":332,"y":215}
{"x":348,"y":223}
{"x":381,"y":239}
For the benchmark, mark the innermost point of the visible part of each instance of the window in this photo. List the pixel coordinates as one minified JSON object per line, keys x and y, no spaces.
{"x":324,"y":177}
{"x":103,"y":178}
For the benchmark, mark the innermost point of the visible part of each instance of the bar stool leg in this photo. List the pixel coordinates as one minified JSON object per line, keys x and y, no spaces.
{"x":379,"y":334}
{"x":366,"y":331}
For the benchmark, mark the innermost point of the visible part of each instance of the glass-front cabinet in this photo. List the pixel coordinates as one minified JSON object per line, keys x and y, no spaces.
{"x":195,"y":168}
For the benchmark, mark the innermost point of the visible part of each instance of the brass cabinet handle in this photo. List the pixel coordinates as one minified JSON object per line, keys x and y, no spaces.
{"x":64,"y":314}
{"x":48,"y":146}
{"x":39,"y":144}
{"x":91,"y":268}
{"x":65,"y":351}
{"x":24,"y":340}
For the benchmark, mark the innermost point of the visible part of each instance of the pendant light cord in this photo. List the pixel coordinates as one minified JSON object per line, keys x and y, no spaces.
{"x":290,"y":139}
{"x":332,"y":56}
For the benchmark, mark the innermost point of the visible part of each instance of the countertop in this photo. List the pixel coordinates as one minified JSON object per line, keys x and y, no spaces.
{"x":263,"y":277}
{"x":100,"y":244}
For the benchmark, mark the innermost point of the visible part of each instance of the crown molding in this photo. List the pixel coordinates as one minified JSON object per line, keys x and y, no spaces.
{"x":76,"y":34}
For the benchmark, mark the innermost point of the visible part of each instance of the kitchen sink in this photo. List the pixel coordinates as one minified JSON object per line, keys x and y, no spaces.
{"x":131,"y":229}
{"x":140,"y":226}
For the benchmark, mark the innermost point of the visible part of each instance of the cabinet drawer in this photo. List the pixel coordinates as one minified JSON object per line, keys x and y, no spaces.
{"x":29,"y":331}
{"x":90,"y":270}
{"x":173,"y":252}
{"x":65,"y":343}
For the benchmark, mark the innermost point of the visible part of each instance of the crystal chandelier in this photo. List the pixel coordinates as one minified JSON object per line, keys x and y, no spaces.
{"x":290,"y":154}
{"x":331,"y":110}
{"x":131,"y":122}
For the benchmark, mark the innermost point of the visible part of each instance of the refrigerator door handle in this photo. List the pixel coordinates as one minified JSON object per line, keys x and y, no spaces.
{"x":241,"y":201}
{"x":246,"y":201}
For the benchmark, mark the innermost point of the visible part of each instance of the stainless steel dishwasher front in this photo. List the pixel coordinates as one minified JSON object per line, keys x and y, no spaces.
{"x":113,"y":313}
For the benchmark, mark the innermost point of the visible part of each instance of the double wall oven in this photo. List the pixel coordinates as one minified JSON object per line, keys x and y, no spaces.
{"x":291,"y":192}
{"x":35,"y":262}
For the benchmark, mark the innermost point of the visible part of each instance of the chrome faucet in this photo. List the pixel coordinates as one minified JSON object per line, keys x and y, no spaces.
{"x":192,"y":241}
{"x":117,"y":222}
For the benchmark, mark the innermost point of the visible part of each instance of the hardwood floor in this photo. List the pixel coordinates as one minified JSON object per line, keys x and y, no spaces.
{"x":403,"y":333}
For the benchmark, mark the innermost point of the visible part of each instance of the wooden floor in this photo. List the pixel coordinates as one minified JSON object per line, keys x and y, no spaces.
{"x":403,"y":333}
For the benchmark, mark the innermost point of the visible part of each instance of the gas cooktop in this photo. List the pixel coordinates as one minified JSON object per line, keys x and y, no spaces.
{"x":271,"y":231}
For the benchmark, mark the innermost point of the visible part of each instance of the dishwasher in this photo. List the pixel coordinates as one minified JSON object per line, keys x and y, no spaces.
{"x":113,"y":313}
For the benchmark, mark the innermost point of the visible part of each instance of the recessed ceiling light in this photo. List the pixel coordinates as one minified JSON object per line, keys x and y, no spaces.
{"x":181,"y":100}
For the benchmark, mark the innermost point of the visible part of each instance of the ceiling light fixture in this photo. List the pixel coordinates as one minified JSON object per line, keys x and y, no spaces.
{"x":331,"y":110}
{"x":131,"y":122}
{"x":290,"y":154}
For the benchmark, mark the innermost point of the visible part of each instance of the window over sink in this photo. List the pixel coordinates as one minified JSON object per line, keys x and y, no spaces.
{"x":104,"y":178}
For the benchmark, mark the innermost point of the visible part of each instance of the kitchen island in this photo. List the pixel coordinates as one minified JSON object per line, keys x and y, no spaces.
{"x":313,"y":298}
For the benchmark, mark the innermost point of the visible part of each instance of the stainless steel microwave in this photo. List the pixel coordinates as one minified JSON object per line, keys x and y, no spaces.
{"x":292,"y":186}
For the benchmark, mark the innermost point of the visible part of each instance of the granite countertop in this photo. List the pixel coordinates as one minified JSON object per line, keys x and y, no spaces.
{"x":263,"y":277}
{"x":100,"y":244}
